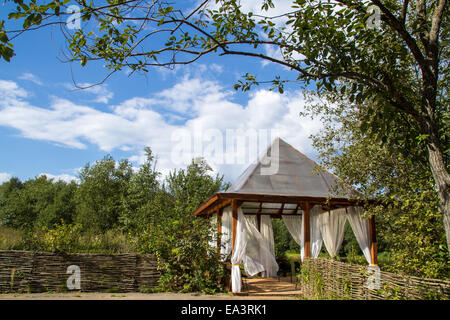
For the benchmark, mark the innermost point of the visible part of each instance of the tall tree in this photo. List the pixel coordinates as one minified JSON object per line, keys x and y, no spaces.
{"x":36,"y":203}
{"x":388,"y":56}
{"x":138,"y":202}
{"x":409,"y":224}
{"x":100,"y":194}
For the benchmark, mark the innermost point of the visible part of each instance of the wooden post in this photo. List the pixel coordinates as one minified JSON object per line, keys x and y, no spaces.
{"x":306,"y":231}
{"x":258,"y":222}
{"x":373,"y":241}
{"x":234,"y":210}
{"x":219,"y":229}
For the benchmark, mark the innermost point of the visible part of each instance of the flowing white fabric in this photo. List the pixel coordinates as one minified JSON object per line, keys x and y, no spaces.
{"x":258,"y":255}
{"x":225,"y":241}
{"x":315,"y":234}
{"x":361,"y":230}
{"x":251,"y":249}
{"x":267,"y":235}
{"x":251,"y":219}
{"x":332,"y":227}
{"x":240,"y":246}
{"x":294,"y":225}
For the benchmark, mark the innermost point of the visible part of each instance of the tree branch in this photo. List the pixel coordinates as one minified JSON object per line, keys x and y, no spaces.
{"x":404,"y":11}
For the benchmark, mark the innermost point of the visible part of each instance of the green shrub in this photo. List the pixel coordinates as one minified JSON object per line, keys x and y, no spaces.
{"x":63,"y":237}
{"x":185,"y":259}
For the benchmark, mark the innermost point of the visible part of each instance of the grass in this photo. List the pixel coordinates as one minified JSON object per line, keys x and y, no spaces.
{"x":293,"y":256}
{"x":10,"y":239}
{"x":110,"y":242}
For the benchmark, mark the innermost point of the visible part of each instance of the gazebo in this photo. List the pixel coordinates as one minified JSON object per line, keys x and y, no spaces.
{"x":284,"y":183}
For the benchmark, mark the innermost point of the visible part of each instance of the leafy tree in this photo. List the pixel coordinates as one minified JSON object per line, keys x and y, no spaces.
{"x":60,"y":206}
{"x":100,"y":194}
{"x":181,"y":241}
{"x":191,"y":187}
{"x":141,"y":191}
{"x":409,"y":224}
{"x":36,"y":203}
{"x":8,"y":197}
{"x":389,"y":58}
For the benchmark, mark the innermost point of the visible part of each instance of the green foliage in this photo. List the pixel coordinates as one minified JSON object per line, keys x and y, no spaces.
{"x":283,"y":240}
{"x":61,"y":238}
{"x":35,"y":203}
{"x":408,"y":220}
{"x":114,"y":209}
{"x":10,"y":239}
{"x":387,"y":88}
{"x":180,"y":241}
{"x":99,"y":196}
{"x":185,"y":259}
{"x":139,"y":200}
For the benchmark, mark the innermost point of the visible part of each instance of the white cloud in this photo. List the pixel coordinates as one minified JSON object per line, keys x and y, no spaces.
{"x":4,"y":177}
{"x":30,"y":77}
{"x":63,"y":177}
{"x":10,"y":90}
{"x":100,"y":91}
{"x":135,"y":123}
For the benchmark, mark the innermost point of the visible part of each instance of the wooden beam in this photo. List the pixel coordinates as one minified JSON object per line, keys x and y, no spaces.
{"x":219,"y":229}
{"x":272,"y":214}
{"x":206,"y":204}
{"x":218,"y":205}
{"x":269,"y":198}
{"x":212,"y":204}
{"x":306,"y":231}
{"x":373,"y":241}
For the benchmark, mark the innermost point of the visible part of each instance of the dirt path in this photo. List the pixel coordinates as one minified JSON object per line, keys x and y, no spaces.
{"x":133,"y":296}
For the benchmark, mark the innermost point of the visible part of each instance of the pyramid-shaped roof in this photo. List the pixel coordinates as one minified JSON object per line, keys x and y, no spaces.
{"x":283,"y":170}
{"x":281,"y":180}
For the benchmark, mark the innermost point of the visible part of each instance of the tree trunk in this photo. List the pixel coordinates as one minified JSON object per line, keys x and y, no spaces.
{"x":442,"y":181}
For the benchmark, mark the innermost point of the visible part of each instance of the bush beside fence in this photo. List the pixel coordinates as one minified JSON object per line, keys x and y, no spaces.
{"x":25,"y":271}
{"x":328,"y":279}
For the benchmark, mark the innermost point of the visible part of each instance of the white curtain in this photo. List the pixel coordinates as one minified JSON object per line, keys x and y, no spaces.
{"x":225,"y":241}
{"x":360,"y":228}
{"x":332,"y":226}
{"x":258,"y":255}
{"x":240,"y":246}
{"x":267,"y":235}
{"x":251,"y":219}
{"x":294,"y":225}
{"x":315,"y":234}
{"x":251,"y":249}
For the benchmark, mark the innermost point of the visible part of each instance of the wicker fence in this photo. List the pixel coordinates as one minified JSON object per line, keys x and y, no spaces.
{"x":24,"y":271}
{"x":328,"y":279}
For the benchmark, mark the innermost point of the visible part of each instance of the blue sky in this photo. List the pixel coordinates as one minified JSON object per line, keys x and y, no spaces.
{"x":47,"y":127}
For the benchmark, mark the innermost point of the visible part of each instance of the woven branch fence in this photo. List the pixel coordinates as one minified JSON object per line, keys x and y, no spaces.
{"x":25,"y":271}
{"x":328,"y":279}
